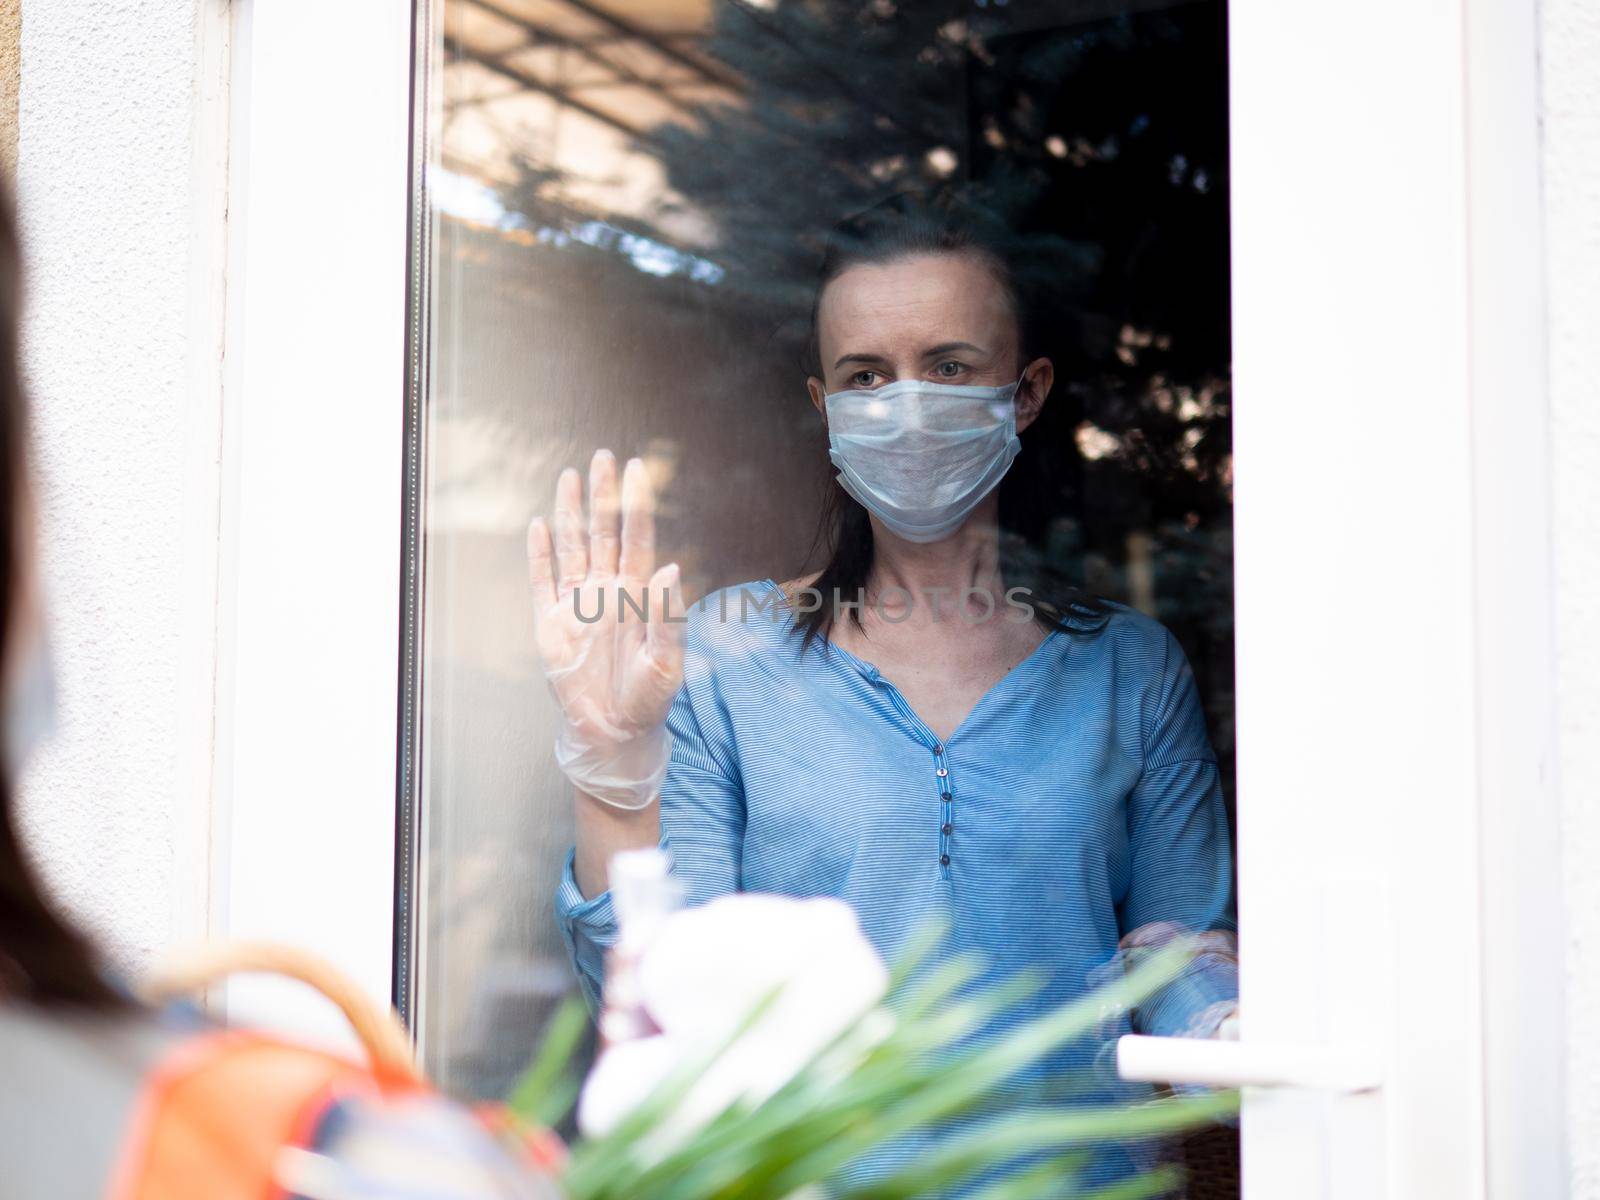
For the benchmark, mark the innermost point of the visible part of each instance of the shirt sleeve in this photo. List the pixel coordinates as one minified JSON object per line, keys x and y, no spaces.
{"x":1181,"y":875}
{"x":702,"y":831}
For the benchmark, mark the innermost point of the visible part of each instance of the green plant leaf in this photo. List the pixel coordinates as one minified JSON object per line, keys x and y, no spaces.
{"x":546,"y":1089}
{"x":927,"y":1071}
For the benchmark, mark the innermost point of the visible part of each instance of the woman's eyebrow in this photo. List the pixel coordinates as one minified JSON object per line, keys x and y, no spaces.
{"x":859,"y":358}
{"x":947,"y":347}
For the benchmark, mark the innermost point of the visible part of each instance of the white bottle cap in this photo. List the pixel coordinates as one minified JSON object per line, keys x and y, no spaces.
{"x":643,"y":893}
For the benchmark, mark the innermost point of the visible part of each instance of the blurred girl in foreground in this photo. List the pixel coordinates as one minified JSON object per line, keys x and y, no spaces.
{"x":106,"y":1096}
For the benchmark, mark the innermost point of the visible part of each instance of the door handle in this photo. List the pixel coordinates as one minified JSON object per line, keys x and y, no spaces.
{"x":1225,"y":1064}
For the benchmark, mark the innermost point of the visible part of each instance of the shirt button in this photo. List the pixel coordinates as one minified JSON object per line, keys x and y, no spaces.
{"x":941,"y":772}
{"x":944,"y":860}
{"x":946,"y":827}
{"x":937,"y":748}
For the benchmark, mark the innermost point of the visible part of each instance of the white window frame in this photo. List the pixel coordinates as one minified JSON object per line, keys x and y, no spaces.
{"x":1400,"y":282}
{"x":310,"y":531}
{"x":1399,"y":855}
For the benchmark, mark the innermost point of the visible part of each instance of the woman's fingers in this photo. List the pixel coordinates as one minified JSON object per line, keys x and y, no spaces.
{"x":611,"y":555}
{"x":604,"y":518}
{"x":572,"y":541}
{"x":638,"y":525}
{"x":664,"y":630}
{"x":541,"y":564}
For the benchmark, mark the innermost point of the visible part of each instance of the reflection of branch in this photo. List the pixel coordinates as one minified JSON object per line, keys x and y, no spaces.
{"x":640,"y":34}
{"x":865,"y":99}
{"x":540,"y":35}
{"x":520,"y":77}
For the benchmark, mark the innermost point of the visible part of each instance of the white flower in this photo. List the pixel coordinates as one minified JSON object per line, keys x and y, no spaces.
{"x":704,"y":972}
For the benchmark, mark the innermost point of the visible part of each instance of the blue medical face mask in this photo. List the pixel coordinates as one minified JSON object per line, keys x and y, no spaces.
{"x":920,"y":456}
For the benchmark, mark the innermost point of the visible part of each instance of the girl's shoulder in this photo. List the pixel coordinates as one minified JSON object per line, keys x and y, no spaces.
{"x":74,"y":1083}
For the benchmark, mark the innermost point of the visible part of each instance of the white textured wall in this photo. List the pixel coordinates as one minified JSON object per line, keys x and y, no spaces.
{"x":115,"y":206}
{"x":1570,"y":52}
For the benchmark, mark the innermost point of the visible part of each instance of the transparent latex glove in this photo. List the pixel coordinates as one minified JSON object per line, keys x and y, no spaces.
{"x":609,"y":629}
{"x":1219,"y":1019}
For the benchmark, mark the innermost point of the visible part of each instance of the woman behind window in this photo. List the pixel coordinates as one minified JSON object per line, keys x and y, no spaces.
{"x":922,"y":727}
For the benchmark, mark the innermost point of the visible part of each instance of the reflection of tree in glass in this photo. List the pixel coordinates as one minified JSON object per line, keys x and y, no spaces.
{"x":1101,"y":134}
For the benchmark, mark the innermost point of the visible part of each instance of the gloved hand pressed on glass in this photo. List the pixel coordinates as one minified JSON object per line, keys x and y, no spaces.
{"x":609,"y":631}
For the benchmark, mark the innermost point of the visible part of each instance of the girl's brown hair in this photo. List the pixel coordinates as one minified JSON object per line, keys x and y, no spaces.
{"x":44,"y":958}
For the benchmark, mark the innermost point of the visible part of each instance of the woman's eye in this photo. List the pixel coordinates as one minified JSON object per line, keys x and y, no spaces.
{"x":949,"y":369}
{"x":863,"y":379}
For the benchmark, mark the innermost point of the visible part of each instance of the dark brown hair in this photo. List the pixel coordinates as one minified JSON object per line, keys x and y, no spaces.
{"x":44,"y":958}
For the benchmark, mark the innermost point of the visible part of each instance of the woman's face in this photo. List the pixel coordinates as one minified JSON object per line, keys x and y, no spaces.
{"x":940,"y":317}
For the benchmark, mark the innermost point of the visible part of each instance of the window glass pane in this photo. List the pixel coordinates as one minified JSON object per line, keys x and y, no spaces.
{"x":630,"y":206}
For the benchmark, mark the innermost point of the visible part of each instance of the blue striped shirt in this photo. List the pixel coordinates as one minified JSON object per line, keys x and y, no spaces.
{"x":1078,"y":801}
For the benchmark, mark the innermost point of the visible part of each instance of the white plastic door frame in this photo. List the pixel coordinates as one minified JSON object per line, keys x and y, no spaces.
{"x":1398,"y":861}
{"x":1397,"y":832}
{"x":307,"y":689}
